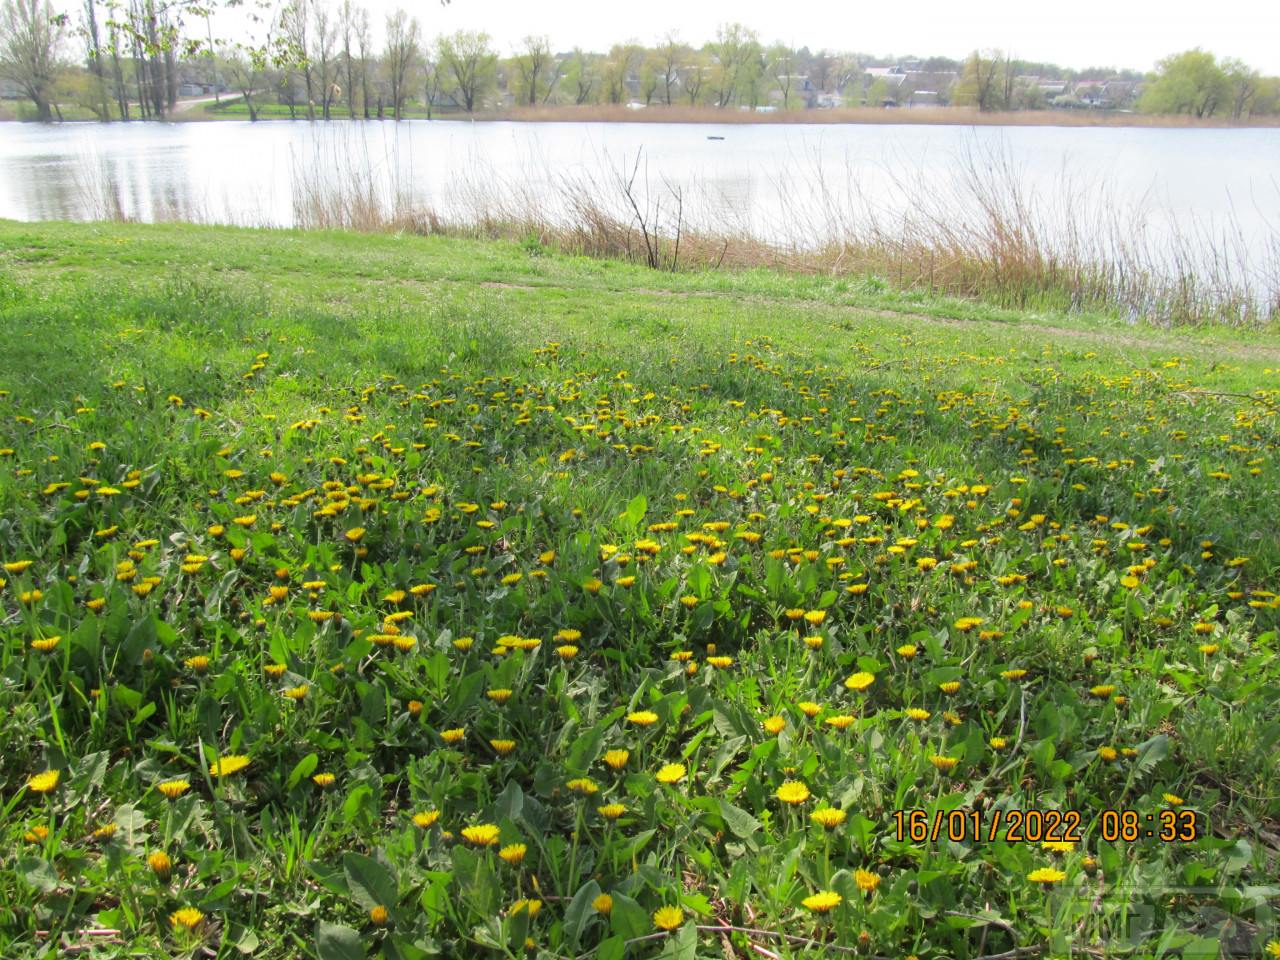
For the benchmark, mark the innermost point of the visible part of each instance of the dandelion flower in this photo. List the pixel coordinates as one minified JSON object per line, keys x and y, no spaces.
{"x":668,"y":918}
{"x":44,"y":782}
{"x":378,"y":916}
{"x":828,"y":817}
{"x":642,"y":718}
{"x":513,"y":853}
{"x":822,"y":901}
{"x":611,"y":811}
{"x":1046,"y":875}
{"x":860,"y":681}
{"x":160,"y":864}
{"x":866,"y":880}
{"x":671,"y":773}
{"x":426,"y":818}
{"x":227,"y":765}
{"x":617,"y":759}
{"x":603,"y":904}
{"x":173,"y":789}
{"x":481,"y":835}
{"x":186,"y":918}
{"x":793,"y":792}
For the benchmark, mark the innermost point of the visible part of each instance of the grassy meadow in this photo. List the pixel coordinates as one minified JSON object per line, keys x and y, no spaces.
{"x":398,"y":596}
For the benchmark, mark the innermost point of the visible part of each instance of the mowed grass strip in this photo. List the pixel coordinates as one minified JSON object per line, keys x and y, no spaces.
{"x":418,"y":597}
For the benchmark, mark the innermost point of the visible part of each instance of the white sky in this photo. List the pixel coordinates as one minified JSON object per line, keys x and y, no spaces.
{"x":1124,"y":33}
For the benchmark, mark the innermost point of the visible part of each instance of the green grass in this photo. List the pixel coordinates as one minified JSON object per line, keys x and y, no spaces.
{"x":674,"y":469}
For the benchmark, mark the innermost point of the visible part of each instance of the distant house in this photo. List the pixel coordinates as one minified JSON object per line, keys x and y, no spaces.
{"x":1093,"y":96}
{"x":924,"y":98}
{"x":1121,"y":93}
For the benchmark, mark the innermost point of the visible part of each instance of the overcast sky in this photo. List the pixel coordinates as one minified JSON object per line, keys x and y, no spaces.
{"x":1125,"y":33}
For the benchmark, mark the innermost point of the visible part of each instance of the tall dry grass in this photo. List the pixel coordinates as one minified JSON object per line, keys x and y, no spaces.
{"x":947,"y":116}
{"x":980,"y":233}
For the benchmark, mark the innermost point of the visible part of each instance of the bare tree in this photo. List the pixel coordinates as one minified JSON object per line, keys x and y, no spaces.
{"x":99,"y":101}
{"x":736,"y":51}
{"x":347,"y":31}
{"x":781,"y":66}
{"x":530,"y":64}
{"x":364,"y":42}
{"x":469,"y":61}
{"x":324,"y":36}
{"x":297,"y":31}
{"x":402,"y":51}
{"x":693,"y":77}
{"x":432,"y":78}
{"x":672,"y":55}
{"x":30,"y":36}
{"x":617,"y":68}
{"x":580,"y":76}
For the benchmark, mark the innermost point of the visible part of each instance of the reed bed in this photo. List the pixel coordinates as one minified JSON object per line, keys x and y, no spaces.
{"x":955,"y":116}
{"x":978,"y":233}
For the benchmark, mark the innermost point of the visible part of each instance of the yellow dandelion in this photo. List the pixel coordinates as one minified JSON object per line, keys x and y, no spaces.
{"x":668,"y":918}
{"x":481,"y":835}
{"x":1046,"y":875}
{"x":513,"y":853}
{"x":671,"y":773}
{"x":186,"y":918}
{"x":793,"y":792}
{"x":866,"y":880}
{"x":173,"y":789}
{"x":44,"y":782}
{"x":822,"y":901}
{"x":828,"y":817}
{"x":227,"y":765}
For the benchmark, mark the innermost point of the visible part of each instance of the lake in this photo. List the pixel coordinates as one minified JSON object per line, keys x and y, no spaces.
{"x":793,"y":183}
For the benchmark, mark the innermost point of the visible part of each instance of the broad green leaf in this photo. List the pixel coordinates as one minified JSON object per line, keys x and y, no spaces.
{"x":372,"y":884}
{"x":303,"y":768}
{"x":334,"y":942}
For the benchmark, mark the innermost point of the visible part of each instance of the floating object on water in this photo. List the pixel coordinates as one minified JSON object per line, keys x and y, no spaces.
{"x":710,"y":137}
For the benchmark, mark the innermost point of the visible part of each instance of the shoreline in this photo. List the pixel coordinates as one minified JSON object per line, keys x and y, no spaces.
{"x":868,"y":116}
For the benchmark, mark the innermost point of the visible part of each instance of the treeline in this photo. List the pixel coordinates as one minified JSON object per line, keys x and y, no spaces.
{"x":320,"y":59}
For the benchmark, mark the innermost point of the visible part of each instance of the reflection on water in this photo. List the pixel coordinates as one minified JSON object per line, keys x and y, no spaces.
{"x":766,"y":178}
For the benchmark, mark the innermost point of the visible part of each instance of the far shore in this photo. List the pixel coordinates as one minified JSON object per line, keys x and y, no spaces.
{"x":233,"y":109}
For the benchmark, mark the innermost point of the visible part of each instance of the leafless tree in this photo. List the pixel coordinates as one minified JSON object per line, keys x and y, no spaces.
{"x":30,"y":36}
{"x":672,"y":55}
{"x":324,"y":36}
{"x":401,"y":54}
{"x":297,"y":28}
{"x":530,"y":65}
{"x":469,"y":61}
